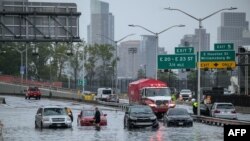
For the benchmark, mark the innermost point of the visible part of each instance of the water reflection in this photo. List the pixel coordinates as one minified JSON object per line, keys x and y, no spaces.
{"x":18,"y":119}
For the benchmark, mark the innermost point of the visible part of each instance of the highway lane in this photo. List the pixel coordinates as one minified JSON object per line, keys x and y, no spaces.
{"x":18,"y":119}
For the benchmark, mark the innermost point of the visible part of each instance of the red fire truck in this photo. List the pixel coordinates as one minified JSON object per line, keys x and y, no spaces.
{"x":151,"y":92}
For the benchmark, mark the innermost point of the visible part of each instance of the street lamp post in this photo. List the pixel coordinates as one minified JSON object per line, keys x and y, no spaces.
{"x":133,"y":51}
{"x":156,"y":34}
{"x":21,"y":68}
{"x":68,"y":56}
{"x":199,"y":48}
{"x":116,"y":67}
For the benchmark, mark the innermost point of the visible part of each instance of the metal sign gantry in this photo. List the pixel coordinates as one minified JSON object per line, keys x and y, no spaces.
{"x":39,"y":26}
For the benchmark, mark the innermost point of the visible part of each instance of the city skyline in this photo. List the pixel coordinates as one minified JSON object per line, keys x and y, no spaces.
{"x":151,"y":14}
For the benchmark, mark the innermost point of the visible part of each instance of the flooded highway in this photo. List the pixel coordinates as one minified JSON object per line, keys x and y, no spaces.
{"x":18,"y":117}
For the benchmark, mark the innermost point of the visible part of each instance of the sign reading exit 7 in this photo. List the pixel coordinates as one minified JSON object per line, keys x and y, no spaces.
{"x":224,"y":46}
{"x":186,"y":61}
{"x":184,"y":50}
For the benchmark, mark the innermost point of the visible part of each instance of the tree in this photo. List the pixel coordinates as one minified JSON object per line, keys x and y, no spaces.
{"x":60,"y":57}
{"x":41,"y":65}
{"x":9,"y":59}
{"x":77,"y":59}
{"x":90,"y":57}
{"x":98,"y":63}
{"x":141,"y":74}
{"x":170,"y":77}
{"x":105,"y":54}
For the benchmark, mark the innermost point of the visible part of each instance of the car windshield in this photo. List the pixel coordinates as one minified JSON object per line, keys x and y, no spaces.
{"x":33,"y":89}
{"x":54,"y":111}
{"x":225,"y":106}
{"x":158,"y":92}
{"x":136,"y":110}
{"x":107,"y":91}
{"x":89,"y":113}
{"x":177,"y":112}
{"x":185,"y":91}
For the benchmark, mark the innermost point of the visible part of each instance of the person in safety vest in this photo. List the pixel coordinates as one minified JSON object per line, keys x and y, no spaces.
{"x":195,"y":106}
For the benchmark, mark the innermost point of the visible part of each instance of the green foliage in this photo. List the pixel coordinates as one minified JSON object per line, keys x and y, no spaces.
{"x":99,"y":63}
{"x":9,"y":60}
{"x":169,"y":77}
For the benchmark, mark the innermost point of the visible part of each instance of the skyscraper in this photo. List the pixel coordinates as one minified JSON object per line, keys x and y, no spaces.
{"x":128,"y":64}
{"x":193,"y":40}
{"x":101,"y":23}
{"x":147,"y":54}
{"x":234,"y":29}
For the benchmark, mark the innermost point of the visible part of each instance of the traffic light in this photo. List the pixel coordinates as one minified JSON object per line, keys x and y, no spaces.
{"x":241,"y":51}
{"x":243,"y":55}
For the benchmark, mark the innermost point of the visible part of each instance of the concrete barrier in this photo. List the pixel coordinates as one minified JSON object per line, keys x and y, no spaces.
{"x":12,"y":89}
{"x":219,"y":121}
{"x":1,"y":131}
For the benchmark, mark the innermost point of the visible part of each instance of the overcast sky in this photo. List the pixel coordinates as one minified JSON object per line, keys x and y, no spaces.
{"x":151,"y":14}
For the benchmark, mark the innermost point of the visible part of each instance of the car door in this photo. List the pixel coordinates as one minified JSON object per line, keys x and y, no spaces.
{"x":39,"y":116}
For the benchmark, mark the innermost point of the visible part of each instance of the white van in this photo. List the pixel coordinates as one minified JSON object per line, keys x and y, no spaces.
{"x":106,"y":94}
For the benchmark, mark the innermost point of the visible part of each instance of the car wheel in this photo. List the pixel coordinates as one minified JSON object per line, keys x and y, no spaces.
{"x":156,"y":126}
{"x":39,"y":97}
{"x":41,"y":126}
{"x":36,"y":97}
{"x":36,"y":125}
{"x":29,"y":97}
{"x":25,"y":97}
{"x":124,"y":124}
{"x":78,"y":122}
{"x":128,"y":125}
{"x":168,"y":124}
{"x":191,"y":124}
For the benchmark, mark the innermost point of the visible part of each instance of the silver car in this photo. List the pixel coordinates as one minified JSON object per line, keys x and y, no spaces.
{"x":52,"y":116}
{"x":223,"y":110}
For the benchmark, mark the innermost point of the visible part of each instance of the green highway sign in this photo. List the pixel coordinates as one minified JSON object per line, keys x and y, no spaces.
{"x":178,"y":61}
{"x":80,"y":82}
{"x":184,"y":50}
{"x":212,"y":56}
{"x":224,"y":46}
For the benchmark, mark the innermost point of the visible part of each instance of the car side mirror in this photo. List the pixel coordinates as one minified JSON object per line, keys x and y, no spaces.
{"x":105,"y":115}
{"x":126,"y":112}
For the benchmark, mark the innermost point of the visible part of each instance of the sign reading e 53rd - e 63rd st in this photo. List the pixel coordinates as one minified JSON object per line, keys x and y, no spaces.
{"x":186,"y":61}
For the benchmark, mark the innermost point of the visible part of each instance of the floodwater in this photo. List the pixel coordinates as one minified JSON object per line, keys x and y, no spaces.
{"x":18,"y":117}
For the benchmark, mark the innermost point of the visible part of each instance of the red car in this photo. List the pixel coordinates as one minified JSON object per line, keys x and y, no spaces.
{"x":86,"y":118}
{"x":33,"y":92}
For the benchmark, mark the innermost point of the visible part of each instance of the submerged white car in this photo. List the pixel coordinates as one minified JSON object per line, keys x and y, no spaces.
{"x":52,"y":116}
